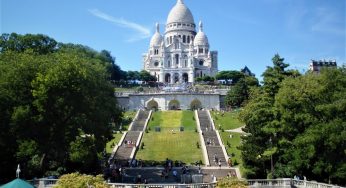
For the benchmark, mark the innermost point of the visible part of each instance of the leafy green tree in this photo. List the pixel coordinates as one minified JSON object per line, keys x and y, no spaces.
{"x":299,"y":121}
{"x":39,"y":43}
{"x":146,"y":76}
{"x":258,"y":114}
{"x":239,"y":93}
{"x":133,"y":75}
{"x":312,"y":126}
{"x":48,"y":101}
{"x":230,"y":76}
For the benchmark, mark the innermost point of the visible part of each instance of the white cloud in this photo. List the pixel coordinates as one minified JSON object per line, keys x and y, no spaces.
{"x":143,"y":32}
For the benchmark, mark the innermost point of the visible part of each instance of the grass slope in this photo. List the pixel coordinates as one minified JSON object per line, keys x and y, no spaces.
{"x":115,"y":140}
{"x":180,"y":146}
{"x":228,"y":121}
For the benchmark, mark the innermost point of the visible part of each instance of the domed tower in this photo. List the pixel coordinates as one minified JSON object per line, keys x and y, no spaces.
{"x":180,"y":23}
{"x":181,"y":55}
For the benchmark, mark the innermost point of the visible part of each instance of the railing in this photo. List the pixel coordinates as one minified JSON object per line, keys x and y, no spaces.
{"x":284,"y":182}
{"x":43,"y":182}
{"x":197,"y":185}
{"x":287,"y":182}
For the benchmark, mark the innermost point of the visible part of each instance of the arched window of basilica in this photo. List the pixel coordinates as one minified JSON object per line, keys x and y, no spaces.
{"x":169,"y":63}
{"x":177,"y":59}
{"x":201,"y":62}
{"x":184,"y":38}
{"x":188,"y":39}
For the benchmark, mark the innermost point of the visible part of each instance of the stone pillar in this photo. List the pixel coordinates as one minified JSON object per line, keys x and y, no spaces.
{"x":172,"y":77}
{"x":162,"y":76}
{"x":191,"y":77}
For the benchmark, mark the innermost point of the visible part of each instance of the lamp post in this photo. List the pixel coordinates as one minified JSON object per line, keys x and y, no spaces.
{"x":271,"y":156}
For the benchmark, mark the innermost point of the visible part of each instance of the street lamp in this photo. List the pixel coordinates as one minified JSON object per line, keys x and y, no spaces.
{"x":271,"y":156}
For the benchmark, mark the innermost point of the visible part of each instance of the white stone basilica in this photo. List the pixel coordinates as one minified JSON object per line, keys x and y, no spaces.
{"x":181,"y":54}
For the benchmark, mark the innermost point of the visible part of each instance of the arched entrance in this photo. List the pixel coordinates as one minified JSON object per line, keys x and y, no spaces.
{"x":185,"y":77}
{"x":152,"y":105}
{"x":195,"y":104}
{"x":168,"y":78}
{"x":176,"y":77}
{"x":173,"y":105}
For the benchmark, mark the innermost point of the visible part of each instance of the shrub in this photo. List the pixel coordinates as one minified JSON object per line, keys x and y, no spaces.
{"x":75,"y":180}
{"x":228,"y":182}
{"x":235,"y":162}
{"x":142,"y":145}
{"x":197,"y":144}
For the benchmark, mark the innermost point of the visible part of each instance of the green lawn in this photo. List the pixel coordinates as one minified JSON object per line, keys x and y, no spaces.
{"x":180,"y":146}
{"x":168,"y":120}
{"x":127,"y":119}
{"x":115,"y":140}
{"x":228,"y":121}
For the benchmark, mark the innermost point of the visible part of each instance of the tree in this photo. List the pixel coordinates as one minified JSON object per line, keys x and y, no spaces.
{"x":312,"y":127}
{"x":133,"y":75}
{"x":300,"y":123}
{"x":39,"y":43}
{"x":258,"y":114}
{"x":232,"y":76}
{"x":240,"y":92}
{"x":146,"y":76}
{"x":48,"y":102}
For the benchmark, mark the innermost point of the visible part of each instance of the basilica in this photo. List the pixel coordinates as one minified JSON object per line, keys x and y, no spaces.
{"x":181,"y":54}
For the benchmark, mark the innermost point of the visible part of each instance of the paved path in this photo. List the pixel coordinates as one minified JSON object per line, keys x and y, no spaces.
{"x":153,"y":174}
{"x":237,"y":130}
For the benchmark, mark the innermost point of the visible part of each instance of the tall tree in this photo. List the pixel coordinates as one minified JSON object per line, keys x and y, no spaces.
{"x":49,"y":104}
{"x":257,"y":115}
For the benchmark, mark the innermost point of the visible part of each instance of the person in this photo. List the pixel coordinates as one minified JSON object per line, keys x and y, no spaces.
{"x":175,"y":173}
{"x":219,"y":164}
{"x":229,"y":162}
{"x":139,"y":179}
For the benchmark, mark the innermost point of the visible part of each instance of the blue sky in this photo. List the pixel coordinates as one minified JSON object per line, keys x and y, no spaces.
{"x":245,"y":32}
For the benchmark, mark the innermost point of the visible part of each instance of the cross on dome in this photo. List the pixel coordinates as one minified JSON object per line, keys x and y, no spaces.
{"x":157,"y":27}
{"x":200,"y":26}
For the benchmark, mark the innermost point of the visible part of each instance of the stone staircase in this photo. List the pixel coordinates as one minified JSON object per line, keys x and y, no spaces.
{"x":139,"y":123}
{"x":213,"y":146}
{"x":128,"y":145}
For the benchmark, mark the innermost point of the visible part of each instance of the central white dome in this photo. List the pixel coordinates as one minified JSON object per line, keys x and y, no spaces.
{"x":180,"y":14}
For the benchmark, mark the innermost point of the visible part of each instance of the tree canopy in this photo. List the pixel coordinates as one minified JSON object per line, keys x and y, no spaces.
{"x":296,"y":124}
{"x":56,"y":106}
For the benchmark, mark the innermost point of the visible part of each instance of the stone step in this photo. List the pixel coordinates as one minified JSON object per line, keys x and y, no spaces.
{"x":216,"y":151}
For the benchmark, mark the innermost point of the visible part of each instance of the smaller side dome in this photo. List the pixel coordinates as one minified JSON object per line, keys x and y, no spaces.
{"x":156,"y":39}
{"x":201,"y":38}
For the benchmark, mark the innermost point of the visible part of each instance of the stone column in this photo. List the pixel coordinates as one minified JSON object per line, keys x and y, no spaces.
{"x":191,"y":77}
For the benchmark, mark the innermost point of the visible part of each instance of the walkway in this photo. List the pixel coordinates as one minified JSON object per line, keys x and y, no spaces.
{"x":153,"y":174}
{"x":213,"y":146}
{"x":128,"y":145}
{"x":237,"y":130}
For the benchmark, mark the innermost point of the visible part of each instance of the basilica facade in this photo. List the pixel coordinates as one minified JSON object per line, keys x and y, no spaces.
{"x":181,"y":54}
